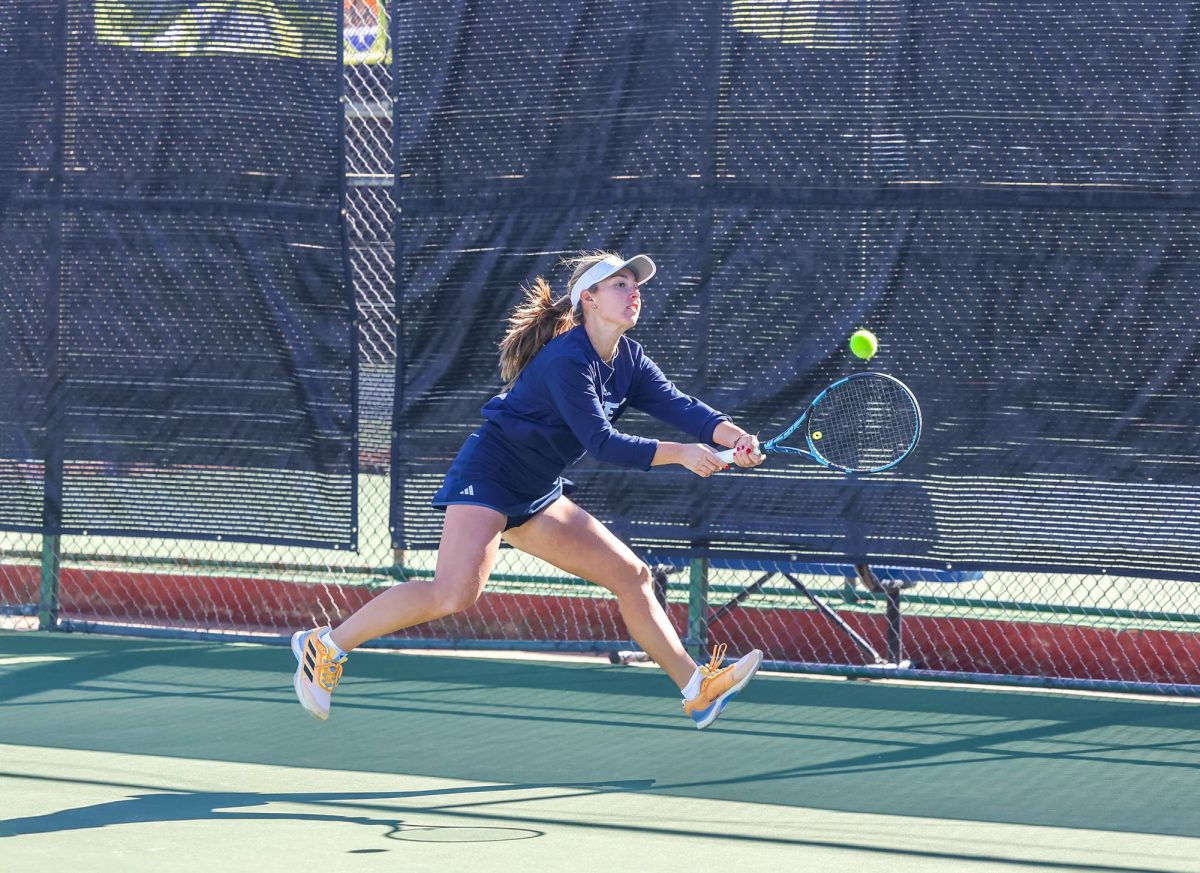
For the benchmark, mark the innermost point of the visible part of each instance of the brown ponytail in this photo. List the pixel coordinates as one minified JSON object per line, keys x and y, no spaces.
{"x":539,"y":318}
{"x":536,"y":320}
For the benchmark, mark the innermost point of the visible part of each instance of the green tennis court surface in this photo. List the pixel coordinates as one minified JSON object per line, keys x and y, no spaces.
{"x":140,"y":755}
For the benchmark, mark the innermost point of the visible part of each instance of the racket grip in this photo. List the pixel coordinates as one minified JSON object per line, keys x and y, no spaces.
{"x":726,"y":456}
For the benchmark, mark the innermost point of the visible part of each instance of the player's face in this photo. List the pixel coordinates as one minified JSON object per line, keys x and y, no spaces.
{"x":618,"y":299}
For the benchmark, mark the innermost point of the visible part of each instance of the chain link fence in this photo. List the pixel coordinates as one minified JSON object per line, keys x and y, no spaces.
{"x":1097,"y":630}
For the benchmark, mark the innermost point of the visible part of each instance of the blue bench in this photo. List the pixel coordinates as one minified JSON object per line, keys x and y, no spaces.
{"x":889,"y":581}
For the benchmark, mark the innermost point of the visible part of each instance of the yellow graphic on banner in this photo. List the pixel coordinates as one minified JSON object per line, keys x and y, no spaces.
{"x":815,"y":24}
{"x":190,"y":28}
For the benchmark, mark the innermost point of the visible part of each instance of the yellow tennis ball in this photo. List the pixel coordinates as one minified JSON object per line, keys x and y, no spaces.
{"x":863,"y":344}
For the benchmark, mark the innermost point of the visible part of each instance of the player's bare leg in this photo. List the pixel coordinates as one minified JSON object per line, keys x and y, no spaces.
{"x":466,"y":556}
{"x":572,"y":540}
{"x":575,"y":542}
{"x":470,"y":541}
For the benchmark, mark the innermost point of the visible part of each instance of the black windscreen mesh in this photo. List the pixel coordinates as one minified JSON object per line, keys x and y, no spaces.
{"x":175,"y":291}
{"x":1003,"y":193}
{"x":30,"y":75}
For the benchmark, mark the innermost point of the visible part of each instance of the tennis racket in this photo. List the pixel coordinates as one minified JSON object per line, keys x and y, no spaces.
{"x":864,"y":423}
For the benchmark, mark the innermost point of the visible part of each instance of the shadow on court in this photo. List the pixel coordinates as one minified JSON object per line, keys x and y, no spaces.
{"x":940,"y":752}
{"x":164,"y":807}
{"x":170,"y":806}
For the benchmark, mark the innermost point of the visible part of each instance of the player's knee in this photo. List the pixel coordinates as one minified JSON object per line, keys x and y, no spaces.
{"x":636,"y":581}
{"x":455,"y":598}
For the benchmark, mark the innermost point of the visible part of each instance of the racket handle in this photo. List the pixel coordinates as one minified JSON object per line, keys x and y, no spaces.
{"x":726,"y":456}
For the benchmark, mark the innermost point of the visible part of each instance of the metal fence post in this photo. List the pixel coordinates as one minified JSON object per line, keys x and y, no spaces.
{"x":51,"y":567}
{"x":698,"y":608}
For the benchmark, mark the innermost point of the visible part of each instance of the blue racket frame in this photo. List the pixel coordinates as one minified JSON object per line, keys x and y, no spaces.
{"x":773,"y":447}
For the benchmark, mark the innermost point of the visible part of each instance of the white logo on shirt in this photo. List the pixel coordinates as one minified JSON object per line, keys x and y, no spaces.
{"x":610,"y":408}
{"x":469,"y":491}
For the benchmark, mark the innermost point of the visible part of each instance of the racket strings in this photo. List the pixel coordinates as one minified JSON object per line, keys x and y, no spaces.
{"x":864,"y":424}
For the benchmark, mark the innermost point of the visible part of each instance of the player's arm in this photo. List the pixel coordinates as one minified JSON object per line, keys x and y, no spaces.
{"x":744,"y":445}
{"x":655,"y":394}
{"x":573,"y":395}
{"x":697,"y":457}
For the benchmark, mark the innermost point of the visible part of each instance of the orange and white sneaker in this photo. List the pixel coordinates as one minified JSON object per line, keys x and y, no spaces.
{"x":318,"y":671}
{"x":718,"y":685}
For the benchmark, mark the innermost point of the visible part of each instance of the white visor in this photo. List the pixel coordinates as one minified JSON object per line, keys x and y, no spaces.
{"x":643,"y":268}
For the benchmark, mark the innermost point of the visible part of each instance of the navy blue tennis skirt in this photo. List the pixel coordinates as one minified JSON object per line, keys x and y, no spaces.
{"x":484,"y":474}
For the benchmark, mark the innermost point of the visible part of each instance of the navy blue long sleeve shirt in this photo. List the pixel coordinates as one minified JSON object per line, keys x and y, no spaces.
{"x":567,"y":399}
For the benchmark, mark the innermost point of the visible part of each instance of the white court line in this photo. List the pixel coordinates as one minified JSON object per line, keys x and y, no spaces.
{"x":32,"y":659}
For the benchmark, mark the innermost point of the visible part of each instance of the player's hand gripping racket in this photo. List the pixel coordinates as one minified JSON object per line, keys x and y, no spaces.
{"x":865,"y":423}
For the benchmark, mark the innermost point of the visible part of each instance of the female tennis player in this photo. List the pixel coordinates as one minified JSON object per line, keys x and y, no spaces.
{"x":570,"y":371}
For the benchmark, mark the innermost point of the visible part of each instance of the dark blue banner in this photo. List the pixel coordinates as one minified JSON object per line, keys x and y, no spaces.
{"x":175,"y":272}
{"x":1004,"y":194}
